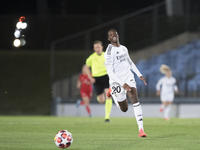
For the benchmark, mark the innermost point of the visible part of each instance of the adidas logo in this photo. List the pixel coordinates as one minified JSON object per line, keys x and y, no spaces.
{"x":117,"y":52}
{"x":140,"y":119}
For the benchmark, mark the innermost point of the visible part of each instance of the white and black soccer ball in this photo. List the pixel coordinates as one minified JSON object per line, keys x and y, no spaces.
{"x":63,"y":139}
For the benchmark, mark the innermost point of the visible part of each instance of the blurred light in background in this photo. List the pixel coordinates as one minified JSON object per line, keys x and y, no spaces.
{"x":19,"y":36}
{"x":19,"y":25}
{"x":24,"y":25}
{"x":23,"y":42}
{"x":17,"y":43}
{"x":17,"y":33}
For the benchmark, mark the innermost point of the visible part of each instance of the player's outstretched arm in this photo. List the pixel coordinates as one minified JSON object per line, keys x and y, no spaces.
{"x":133,"y":66}
{"x":157,"y":93}
{"x":175,"y":87}
{"x":143,"y":79}
{"x":158,"y":84}
{"x":78,"y":84}
{"x":112,"y":75}
{"x":89,"y":74}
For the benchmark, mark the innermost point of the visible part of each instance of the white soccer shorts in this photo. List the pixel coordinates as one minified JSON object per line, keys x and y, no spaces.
{"x":118,"y":92}
{"x":165,"y":97}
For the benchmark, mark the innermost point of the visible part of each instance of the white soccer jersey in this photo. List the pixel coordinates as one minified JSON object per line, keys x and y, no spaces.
{"x":168,"y":87}
{"x":119,"y":64}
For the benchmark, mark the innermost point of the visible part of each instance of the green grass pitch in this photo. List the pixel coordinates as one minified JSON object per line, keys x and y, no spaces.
{"x":37,"y":133}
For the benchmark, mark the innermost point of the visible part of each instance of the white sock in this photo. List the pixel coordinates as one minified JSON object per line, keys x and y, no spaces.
{"x":116,"y":102}
{"x":138,"y":115}
{"x":167,"y":111}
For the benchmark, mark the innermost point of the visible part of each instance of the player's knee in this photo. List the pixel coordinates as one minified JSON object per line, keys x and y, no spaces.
{"x":101,"y":101}
{"x":124,"y":109}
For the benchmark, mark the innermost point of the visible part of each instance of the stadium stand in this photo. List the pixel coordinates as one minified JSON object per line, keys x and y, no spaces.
{"x":185,"y":64}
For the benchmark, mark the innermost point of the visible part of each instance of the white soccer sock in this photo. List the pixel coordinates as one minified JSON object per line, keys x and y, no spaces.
{"x":116,"y":102}
{"x":167,"y":111}
{"x":138,"y":115}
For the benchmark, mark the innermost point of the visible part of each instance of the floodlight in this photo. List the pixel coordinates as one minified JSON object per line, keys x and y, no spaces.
{"x":19,"y":25}
{"x":17,"y":33}
{"x":17,"y":43}
{"x":23,"y":42}
{"x":24,"y":25}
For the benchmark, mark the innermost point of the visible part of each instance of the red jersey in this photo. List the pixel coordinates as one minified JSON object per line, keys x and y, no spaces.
{"x":86,"y":86}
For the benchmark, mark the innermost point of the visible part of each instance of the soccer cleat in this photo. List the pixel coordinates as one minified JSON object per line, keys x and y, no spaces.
{"x":109,"y":92}
{"x":107,"y":120}
{"x":161,"y":109}
{"x":141,"y":133}
{"x":167,"y":119}
{"x":78,"y":103}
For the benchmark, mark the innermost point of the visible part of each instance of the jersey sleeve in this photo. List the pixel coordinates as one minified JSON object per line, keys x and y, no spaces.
{"x":132,"y":65}
{"x":89,"y":61}
{"x":109,"y":66}
{"x":158,"y":85}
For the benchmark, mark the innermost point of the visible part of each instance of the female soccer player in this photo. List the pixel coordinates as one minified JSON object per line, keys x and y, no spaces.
{"x":99,"y":77}
{"x":85,"y":86}
{"x":166,"y":93}
{"x":119,"y":67}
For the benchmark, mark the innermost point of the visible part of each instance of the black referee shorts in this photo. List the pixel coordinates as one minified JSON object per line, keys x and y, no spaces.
{"x":101,"y":83}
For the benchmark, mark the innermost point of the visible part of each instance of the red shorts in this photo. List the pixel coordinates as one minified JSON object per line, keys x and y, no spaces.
{"x":86,"y":94}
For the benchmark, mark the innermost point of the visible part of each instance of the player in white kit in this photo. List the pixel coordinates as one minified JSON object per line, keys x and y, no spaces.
{"x":168,"y":84}
{"x":121,"y":78}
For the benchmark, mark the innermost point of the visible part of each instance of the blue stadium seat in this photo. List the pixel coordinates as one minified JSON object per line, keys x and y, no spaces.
{"x":184,"y":62}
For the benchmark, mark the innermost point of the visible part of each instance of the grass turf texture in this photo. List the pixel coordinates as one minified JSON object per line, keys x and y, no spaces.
{"x":37,"y":133}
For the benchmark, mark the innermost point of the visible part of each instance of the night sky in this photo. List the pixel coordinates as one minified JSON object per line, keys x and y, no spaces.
{"x":74,"y":6}
{"x":60,"y":15}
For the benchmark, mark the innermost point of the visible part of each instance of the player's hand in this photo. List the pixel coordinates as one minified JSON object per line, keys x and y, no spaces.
{"x":157,"y":93}
{"x":143,"y":79}
{"x":176,"y":92}
{"x":92,"y":80}
{"x":127,"y":87}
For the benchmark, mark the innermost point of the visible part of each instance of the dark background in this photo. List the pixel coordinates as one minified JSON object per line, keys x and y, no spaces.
{"x":49,"y":20}
{"x":50,"y":7}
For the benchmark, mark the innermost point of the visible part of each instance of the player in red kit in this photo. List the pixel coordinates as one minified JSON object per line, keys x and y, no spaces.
{"x":85,"y":86}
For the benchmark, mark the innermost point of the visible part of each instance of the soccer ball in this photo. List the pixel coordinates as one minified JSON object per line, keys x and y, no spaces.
{"x":63,"y":139}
